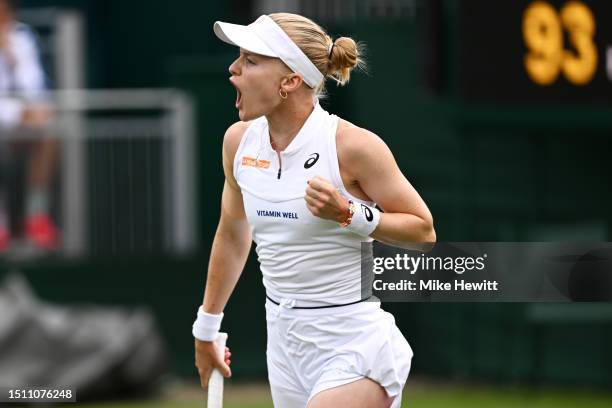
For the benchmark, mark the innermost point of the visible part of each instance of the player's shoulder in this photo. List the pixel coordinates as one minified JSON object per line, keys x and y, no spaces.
{"x":354,"y":142}
{"x":24,"y":31}
{"x":236,"y":130}
{"x":233,"y":136}
{"x":21,"y":27}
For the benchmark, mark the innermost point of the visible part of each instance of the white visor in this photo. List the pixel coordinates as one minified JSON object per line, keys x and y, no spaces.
{"x":265,"y":37}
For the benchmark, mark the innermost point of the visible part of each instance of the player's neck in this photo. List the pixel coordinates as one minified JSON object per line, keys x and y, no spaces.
{"x":286,"y":121}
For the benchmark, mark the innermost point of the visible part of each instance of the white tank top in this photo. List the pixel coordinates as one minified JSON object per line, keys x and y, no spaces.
{"x":302,"y":257}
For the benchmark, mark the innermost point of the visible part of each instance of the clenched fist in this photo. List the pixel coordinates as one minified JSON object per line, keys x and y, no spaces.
{"x":325,"y":201}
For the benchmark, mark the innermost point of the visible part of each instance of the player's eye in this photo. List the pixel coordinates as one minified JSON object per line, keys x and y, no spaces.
{"x":249,"y":61}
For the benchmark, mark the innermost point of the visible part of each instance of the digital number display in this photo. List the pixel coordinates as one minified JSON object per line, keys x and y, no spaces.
{"x":543,"y":33}
{"x":536,"y":50}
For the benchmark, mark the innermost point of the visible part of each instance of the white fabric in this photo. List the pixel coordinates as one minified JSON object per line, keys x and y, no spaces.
{"x":11,"y":112}
{"x":206,"y":326}
{"x":26,"y":77}
{"x":310,"y":351}
{"x":265,"y":37}
{"x":312,"y":260}
{"x":365,"y":220}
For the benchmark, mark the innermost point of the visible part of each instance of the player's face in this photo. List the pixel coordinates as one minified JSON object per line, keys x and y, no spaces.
{"x":257,"y":80}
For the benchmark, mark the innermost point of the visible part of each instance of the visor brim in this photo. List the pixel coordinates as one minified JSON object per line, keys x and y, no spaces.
{"x":243,"y":37}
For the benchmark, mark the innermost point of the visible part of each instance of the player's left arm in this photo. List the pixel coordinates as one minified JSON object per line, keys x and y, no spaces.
{"x":368,"y":160}
{"x":406,"y":218}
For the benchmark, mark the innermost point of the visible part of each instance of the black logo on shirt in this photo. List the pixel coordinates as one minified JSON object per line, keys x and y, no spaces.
{"x":311,"y":160}
{"x":368,"y":212}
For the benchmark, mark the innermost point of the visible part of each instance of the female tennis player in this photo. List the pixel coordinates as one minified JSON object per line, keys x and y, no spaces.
{"x":302,"y":184}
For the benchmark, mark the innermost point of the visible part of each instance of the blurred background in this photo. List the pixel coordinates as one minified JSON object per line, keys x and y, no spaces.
{"x":499,"y":113}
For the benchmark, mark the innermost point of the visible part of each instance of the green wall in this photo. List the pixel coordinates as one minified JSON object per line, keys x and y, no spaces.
{"x":494,"y":172}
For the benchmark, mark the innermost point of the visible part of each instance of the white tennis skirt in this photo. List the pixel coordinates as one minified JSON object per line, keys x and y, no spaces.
{"x":312,"y":350}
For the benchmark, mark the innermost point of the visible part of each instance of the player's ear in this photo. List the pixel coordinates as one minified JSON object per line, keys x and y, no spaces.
{"x":291,"y":82}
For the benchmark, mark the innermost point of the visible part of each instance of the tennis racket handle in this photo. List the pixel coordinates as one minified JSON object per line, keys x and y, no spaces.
{"x":215,"y":384}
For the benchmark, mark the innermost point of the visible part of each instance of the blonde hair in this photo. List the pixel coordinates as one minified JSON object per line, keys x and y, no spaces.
{"x":316,"y":43}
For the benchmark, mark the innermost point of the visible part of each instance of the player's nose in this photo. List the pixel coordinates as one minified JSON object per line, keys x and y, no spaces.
{"x":233,"y":68}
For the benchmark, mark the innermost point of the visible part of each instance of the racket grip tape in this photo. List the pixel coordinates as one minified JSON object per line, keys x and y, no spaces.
{"x":215,"y":384}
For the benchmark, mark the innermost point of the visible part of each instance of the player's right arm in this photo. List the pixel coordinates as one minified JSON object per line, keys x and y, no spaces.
{"x":232,"y":240}
{"x":228,"y":255}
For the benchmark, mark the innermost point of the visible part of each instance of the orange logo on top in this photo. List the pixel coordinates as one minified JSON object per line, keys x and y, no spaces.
{"x":250,"y":161}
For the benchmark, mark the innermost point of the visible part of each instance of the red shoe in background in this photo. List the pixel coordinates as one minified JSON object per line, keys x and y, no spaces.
{"x":5,"y":239}
{"x":40,"y":230}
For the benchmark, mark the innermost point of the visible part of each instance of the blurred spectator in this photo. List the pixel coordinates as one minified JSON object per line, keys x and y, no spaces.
{"x":23,"y":112}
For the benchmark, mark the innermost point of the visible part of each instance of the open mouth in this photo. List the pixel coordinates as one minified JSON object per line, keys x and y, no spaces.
{"x":238,"y":97}
{"x":238,"y":93}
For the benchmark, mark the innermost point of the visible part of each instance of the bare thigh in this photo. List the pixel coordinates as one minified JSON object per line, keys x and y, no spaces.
{"x":363,"y":393}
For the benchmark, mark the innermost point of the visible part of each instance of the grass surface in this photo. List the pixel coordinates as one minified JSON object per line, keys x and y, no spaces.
{"x":417,"y":396}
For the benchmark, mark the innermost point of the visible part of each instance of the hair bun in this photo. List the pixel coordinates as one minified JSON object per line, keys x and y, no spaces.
{"x":343,"y":57}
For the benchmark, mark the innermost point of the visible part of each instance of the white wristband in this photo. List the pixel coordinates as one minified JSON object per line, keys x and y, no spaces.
{"x":365,"y":220}
{"x":206,"y":327}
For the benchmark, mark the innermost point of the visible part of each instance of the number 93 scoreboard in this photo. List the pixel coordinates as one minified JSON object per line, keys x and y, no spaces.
{"x":536,"y":51}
